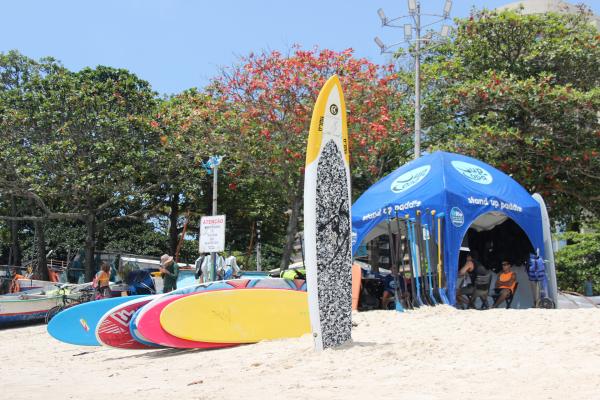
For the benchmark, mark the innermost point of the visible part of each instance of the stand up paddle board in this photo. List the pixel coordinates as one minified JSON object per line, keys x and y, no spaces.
{"x":327,"y":222}
{"x":135,"y":333}
{"x":548,"y":250}
{"x":113,"y":328}
{"x":150,"y":328}
{"x":238,"y":315}
{"x":77,"y":324}
{"x":147,"y":323}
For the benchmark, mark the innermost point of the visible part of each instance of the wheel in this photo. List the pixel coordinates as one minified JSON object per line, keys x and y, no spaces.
{"x":547,"y":303}
{"x":52,"y":312}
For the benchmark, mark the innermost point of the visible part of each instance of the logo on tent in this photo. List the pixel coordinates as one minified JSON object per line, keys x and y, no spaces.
{"x":409,"y":179}
{"x":457,"y":217}
{"x":473,"y":172}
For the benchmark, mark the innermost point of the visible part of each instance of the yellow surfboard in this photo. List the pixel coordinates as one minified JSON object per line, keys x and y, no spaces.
{"x":238,"y":316}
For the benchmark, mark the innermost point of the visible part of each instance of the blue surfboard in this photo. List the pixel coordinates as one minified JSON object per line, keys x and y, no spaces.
{"x":77,"y":325}
{"x":186,"y":278}
{"x":135,"y":333}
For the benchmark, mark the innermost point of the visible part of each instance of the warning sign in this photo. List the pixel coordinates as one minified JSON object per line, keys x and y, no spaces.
{"x":212,"y":234}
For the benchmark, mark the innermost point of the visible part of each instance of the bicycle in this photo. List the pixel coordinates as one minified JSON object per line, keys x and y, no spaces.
{"x":69,"y":300}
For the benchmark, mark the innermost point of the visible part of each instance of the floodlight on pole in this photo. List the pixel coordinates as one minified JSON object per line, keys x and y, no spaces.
{"x":447,"y":8}
{"x":445,"y":31}
{"x":380,"y":44}
{"x":419,"y":45}
{"x":427,"y":38}
{"x":382,"y":16}
{"x":412,"y":6}
{"x":407,"y":32}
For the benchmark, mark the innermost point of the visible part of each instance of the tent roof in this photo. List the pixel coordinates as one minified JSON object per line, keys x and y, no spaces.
{"x":440,"y":181}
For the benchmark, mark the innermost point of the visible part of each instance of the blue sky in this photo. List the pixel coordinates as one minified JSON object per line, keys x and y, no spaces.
{"x":179,"y":44}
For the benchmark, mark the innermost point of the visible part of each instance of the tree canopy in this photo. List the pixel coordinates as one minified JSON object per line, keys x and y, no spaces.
{"x":521,"y":93}
{"x":98,"y":157}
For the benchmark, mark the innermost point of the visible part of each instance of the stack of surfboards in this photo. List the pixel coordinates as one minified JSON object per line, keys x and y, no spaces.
{"x":210,"y":315}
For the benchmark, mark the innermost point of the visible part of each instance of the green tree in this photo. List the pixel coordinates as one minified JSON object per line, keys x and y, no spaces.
{"x":79,"y":147}
{"x":271,"y":96}
{"x":579,"y":260}
{"x":522,"y":93}
{"x":16,"y":72}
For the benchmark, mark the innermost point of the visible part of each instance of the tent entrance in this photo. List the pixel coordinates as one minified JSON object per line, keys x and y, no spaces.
{"x":495,"y":237}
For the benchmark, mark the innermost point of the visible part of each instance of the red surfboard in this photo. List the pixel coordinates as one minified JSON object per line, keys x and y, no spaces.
{"x":148,"y":324}
{"x":113,"y":328}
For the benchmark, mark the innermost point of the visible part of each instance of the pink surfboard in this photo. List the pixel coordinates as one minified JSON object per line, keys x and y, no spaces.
{"x":113,"y":328}
{"x":148,"y":324}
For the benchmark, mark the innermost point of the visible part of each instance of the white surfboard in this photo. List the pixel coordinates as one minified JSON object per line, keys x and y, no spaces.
{"x":327,"y":220}
{"x":548,"y":250}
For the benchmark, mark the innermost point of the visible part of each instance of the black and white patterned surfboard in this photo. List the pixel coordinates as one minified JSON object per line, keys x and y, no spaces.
{"x":327,"y":222}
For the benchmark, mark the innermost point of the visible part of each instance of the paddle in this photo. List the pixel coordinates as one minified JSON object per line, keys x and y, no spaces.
{"x":433,"y":251}
{"x":441,"y":272}
{"x":405,"y":243}
{"x":422,"y":261}
{"x":414,"y":261}
{"x":394,"y":268}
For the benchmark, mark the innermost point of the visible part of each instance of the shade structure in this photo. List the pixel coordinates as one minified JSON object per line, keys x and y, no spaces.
{"x":467,"y":191}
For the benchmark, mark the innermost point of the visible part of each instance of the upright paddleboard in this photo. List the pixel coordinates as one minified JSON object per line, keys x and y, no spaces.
{"x":77,"y":325}
{"x":548,"y":250}
{"x":113,"y":328}
{"x":238,"y":315}
{"x":327,"y":221}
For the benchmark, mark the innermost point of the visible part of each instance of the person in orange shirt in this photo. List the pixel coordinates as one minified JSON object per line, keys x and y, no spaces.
{"x":14,"y":284}
{"x":506,"y":282}
{"x":103,"y":281}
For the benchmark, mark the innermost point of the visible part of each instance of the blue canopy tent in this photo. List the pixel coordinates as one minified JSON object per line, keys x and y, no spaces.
{"x":469,"y":192}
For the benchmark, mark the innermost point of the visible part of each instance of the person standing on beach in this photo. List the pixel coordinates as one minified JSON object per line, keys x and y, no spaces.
{"x":169,"y":271}
{"x":505,"y":285}
{"x":102,"y":281}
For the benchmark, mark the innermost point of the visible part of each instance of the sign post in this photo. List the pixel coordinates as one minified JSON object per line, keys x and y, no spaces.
{"x":212,"y":167}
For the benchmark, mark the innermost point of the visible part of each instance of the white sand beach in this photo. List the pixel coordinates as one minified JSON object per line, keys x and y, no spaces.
{"x":432,"y":353}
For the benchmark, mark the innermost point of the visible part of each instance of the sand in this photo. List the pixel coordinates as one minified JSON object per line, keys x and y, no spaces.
{"x":432,"y":353}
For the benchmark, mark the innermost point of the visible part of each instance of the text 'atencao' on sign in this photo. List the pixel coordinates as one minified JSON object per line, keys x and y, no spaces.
{"x":212,"y":234}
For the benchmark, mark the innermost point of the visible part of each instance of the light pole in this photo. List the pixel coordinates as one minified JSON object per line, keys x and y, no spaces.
{"x":414,"y":12}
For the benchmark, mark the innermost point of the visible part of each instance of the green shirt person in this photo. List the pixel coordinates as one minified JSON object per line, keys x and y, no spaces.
{"x":169,"y":271}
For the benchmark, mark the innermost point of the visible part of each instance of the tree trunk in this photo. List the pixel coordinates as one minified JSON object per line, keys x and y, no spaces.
{"x":173,"y":219}
{"x":42,"y":264}
{"x":290,"y":234}
{"x":15,"y":248}
{"x":90,"y":247}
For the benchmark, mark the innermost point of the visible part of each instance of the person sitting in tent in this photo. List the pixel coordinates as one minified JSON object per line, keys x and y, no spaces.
{"x":506,"y":283}
{"x":467,"y":276}
{"x":389,"y":291}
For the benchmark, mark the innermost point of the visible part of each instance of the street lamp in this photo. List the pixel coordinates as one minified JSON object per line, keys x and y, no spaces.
{"x":414,"y":12}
